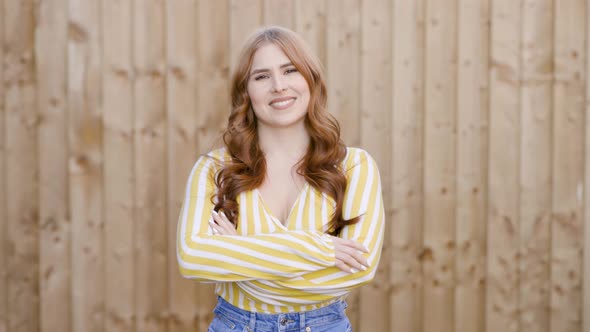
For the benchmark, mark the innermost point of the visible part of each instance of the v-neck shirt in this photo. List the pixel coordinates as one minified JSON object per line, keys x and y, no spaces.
{"x":271,"y":267}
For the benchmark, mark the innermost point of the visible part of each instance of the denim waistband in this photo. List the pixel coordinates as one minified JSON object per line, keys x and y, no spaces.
{"x":296,"y":321}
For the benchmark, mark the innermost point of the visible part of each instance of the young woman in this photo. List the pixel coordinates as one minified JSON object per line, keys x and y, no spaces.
{"x":285,"y":218}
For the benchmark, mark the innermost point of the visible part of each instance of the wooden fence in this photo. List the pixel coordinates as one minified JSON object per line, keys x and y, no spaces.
{"x":475,"y":110}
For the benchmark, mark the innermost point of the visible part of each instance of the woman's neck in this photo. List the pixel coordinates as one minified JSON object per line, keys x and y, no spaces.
{"x":285,"y":143}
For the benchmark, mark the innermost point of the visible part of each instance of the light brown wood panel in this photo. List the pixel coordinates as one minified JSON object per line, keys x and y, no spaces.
{"x":55,"y":232}
{"x":440,"y":191}
{"x":535,"y":164}
{"x":585,"y":186}
{"x":310,"y":23}
{"x":119,"y":172}
{"x":245,"y":16}
{"x":3,"y":212}
{"x":567,"y":225}
{"x":181,"y":82}
{"x":85,"y":172}
{"x":407,"y":164}
{"x":150,"y":247}
{"x":504,"y":142}
{"x":22,"y":205}
{"x":375,"y":112}
{"x":214,"y":103}
{"x":343,"y":66}
{"x":279,"y":12}
{"x":472,"y":160}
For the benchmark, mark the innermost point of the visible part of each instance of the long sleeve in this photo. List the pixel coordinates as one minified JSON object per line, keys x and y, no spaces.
{"x":204,"y":256}
{"x":363,"y":198}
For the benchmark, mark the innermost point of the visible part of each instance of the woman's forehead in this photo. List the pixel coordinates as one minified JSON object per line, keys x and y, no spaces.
{"x":269,"y":56}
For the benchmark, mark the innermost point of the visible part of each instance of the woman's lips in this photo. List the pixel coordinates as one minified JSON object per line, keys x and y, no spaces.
{"x":282,"y":103}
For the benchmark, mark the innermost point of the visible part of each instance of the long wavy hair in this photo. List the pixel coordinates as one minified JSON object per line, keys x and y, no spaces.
{"x":247,"y":168}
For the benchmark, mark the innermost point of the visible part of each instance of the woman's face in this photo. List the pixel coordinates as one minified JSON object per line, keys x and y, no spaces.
{"x":278,"y":92}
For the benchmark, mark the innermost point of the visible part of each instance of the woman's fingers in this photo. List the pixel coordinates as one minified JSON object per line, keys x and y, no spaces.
{"x":349,"y":255}
{"x":222,"y":224}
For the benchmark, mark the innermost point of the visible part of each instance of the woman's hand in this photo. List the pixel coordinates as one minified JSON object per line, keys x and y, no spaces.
{"x":222,"y":225}
{"x":349,"y":255}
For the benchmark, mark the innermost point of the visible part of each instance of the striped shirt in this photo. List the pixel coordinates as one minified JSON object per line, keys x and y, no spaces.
{"x":274,"y":268}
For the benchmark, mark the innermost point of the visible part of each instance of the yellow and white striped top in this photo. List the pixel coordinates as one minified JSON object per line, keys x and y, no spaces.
{"x":274,"y":268}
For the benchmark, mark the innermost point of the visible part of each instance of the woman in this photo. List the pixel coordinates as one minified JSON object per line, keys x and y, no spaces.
{"x":285,"y":219}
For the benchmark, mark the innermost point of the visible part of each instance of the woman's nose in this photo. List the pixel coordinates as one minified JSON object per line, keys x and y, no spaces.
{"x":279,"y":84}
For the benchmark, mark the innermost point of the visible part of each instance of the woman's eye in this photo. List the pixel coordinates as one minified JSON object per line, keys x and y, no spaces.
{"x":259,"y":77}
{"x":291,"y":70}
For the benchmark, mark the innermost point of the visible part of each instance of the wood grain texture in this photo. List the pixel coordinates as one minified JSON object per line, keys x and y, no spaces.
{"x":343,"y":66}
{"x":55,"y":232}
{"x":440,"y":191}
{"x":22,"y":205}
{"x":181,"y":87}
{"x":119,"y":172}
{"x":567,"y":235}
{"x":85,"y":166}
{"x":3,"y":210}
{"x":569,"y":114}
{"x":245,"y":17}
{"x":535,"y":164}
{"x":584,"y":192}
{"x":502,"y":295}
{"x":279,"y":12}
{"x":472,"y":162}
{"x":150,"y":243}
{"x":375,"y":109}
{"x":310,"y":23}
{"x":407,"y":163}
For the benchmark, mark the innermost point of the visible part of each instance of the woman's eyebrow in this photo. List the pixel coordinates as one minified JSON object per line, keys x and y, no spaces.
{"x":262,"y":70}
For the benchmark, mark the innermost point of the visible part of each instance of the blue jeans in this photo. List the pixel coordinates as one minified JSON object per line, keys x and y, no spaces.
{"x":331,"y":318}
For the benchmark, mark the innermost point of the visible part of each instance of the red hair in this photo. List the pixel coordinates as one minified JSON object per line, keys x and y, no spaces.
{"x":247,"y":169}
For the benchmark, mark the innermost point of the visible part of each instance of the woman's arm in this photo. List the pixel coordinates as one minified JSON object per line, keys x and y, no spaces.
{"x":363,"y":198}
{"x":202,"y":255}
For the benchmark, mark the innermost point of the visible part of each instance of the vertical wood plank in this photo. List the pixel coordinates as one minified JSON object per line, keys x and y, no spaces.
{"x":440,"y":166}
{"x":245,"y":18}
{"x":279,"y":12}
{"x":119,"y":169}
{"x":310,"y":23}
{"x":3,"y":197}
{"x":535,"y":164}
{"x":472,"y":153}
{"x":405,"y":226}
{"x":182,"y":46}
{"x":585,"y":191}
{"x":375,"y":107}
{"x":503,"y":205}
{"x":213,"y":73}
{"x":22,"y":204}
{"x":567,"y":226}
{"x":151,"y":286}
{"x":55,"y":239}
{"x":85,"y":165}
{"x":343,"y":66}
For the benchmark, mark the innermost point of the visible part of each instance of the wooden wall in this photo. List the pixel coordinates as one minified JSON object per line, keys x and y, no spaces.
{"x":475,"y":110}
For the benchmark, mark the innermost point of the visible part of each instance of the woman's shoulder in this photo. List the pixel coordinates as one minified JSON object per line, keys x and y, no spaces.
{"x":212,"y":160}
{"x":220,"y":154}
{"x":356,"y":156}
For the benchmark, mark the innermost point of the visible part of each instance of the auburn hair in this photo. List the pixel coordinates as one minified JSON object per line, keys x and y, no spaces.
{"x":247,"y":168}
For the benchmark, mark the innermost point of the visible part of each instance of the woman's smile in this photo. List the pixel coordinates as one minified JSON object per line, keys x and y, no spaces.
{"x":282,"y":103}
